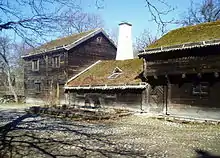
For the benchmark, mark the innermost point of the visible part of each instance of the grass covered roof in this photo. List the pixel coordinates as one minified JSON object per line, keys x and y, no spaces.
{"x":62,"y":41}
{"x":99,"y":73}
{"x":189,"y":34}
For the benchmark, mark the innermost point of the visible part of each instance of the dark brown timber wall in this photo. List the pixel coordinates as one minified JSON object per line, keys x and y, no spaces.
{"x":51,"y":79}
{"x":183,"y":102}
{"x":120,"y":99}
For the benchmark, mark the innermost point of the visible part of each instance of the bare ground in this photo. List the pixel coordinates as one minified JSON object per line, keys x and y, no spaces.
{"x":132,"y":136}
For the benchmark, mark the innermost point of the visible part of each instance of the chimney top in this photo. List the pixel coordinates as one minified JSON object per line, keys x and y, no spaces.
{"x":125,"y":23}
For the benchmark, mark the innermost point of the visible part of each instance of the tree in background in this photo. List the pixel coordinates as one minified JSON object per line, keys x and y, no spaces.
{"x":207,"y":11}
{"x":77,"y":22}
{"x":158,"y":9}
{"x":30,"y":19}
{"x":144,"y":40}
{"x":6,"y":67}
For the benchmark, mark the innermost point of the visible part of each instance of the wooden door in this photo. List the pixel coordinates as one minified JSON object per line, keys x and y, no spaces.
{"x":157,"y":99}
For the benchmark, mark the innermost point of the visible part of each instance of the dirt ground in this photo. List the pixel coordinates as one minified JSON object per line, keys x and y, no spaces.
{"x":131,"y":136}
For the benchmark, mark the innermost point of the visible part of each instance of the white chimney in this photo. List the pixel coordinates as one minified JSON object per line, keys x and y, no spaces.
{"x":124,"y":49}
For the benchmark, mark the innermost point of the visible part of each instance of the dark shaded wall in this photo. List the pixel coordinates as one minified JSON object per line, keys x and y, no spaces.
{"x":184,"y":103}
{"x":156,"y":99}
{"x":88,"y":53}
{"x":166,"y":69}
{"x":116,"y":99}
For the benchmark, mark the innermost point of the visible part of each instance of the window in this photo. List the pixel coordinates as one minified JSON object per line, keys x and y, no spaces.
{"x":99,"y":40}
{"x":56,"y":62}
{"x":201,"y":89}
{"x":1,"y":69}
{"x":35,"y":65}
{"x":117,"y":71}
{"x":37,"y":87}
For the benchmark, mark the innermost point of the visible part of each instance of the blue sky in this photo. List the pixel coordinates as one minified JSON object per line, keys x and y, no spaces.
{"x":135,"y":12}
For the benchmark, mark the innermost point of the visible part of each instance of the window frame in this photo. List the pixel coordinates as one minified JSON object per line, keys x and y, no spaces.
{"x":35,"y":64}
{"x":37,"y":87}
{"x":1,"y":70}
{"x":201,"y":88}
{"x":56,"y":61}
{"x":116,"y":73}
{"x":99,"y":40}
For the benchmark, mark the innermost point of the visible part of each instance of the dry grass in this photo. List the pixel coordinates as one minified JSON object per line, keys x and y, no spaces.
{"x":98,"y":74}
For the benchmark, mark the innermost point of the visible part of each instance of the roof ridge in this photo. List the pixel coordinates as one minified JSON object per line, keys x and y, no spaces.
{"x":95,"y":30}
{"x":77,"y":33}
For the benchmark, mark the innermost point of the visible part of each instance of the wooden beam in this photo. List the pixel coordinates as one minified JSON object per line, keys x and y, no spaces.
{"x":155,"y":77}
{"x":183,"y":75}
{"x":216,"y":74}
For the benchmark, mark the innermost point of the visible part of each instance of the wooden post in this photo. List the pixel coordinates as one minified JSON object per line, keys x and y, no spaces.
{"x":216,"y":74}
{"x":58,"y":93}
{"x":167,"y":95}
{"x":183,"y":75}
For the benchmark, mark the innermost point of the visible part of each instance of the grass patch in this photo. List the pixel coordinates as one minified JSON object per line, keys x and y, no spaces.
{"x":189,"y":34}
{"x":61,"y":41}
{"x":98,"y":74}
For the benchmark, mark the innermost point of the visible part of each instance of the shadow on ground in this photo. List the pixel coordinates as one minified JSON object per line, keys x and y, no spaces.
{"x":28,"y":135}
{"x":33,"y":136}
{"x":204,"y":154}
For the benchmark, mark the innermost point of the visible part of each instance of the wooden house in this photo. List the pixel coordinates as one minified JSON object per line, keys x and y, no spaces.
{"x":48,"y":67}
{"x":183,"y":71}
{"x":111,"y":83}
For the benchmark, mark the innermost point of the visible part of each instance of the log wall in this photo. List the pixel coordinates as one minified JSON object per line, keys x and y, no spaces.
{"x":52,"y":79}
{"x":184,"y":65}
{"x":117,"y":99}
{"x":184,"y":103}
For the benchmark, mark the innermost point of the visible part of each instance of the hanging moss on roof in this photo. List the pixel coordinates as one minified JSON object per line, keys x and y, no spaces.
{"x":99,"y":73}
{"x":62,"y":41}
{"x":189,"y":34}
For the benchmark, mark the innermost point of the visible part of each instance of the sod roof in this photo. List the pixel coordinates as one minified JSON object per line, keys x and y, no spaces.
{"x":61,"y":42}
{"x":65,"y":40}
{"x":189,"y":34}
{"x":99,"y":73}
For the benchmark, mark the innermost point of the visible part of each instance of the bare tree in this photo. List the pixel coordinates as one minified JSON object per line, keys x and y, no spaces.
{"x":207,"y":11}
{"x":4,"y":54}
{"x":113,"y":34}
{"x":144,"y":40}
{"x":80,"y":22}
{"x":31,"y":19}
{"x":158,"y":14}
{"x":158,"y":9}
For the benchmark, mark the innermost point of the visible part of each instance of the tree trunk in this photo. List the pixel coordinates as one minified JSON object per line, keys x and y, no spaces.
{"x":11,"y":88}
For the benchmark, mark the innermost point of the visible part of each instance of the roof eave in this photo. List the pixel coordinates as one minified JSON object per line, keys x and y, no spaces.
{"x":183,"y":47}
{"x":42,"y":53}
{"x":108,"y":87}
